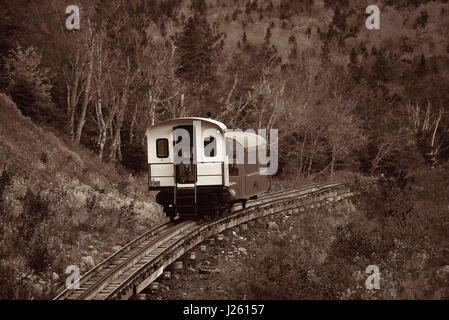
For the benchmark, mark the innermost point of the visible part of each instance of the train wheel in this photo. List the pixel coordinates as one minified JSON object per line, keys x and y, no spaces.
{"x":172,"y":218}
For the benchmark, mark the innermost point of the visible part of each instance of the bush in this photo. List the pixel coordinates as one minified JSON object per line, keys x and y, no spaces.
{"x":38,"y":256}
{"x":28,"y":82}
{"x":35,"y":210}
{"x":401,"y":226}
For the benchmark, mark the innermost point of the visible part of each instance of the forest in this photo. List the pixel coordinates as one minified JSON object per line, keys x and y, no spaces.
{"x":342,"y":97}
{"x":347,"y":101}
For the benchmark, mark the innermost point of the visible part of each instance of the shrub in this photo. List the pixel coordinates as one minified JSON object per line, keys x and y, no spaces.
{"x":401,"y":226}
{"x":38,"y":256}
{"x":35,"y":210}
{"x":29,"y":84}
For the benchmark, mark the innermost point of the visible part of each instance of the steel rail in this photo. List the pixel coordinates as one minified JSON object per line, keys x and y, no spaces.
{"x":153,"y":268}
{"x":102,"y":265}
{"x":129,"y":261}
{"x":126,"y":276}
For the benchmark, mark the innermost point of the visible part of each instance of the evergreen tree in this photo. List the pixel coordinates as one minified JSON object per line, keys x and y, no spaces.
{"x":163,"y":28}
{"x":198,"y":46}
{"x":325,"y":51}
{"x":199,"y":6}
{"x":421,"y":69}
{"x":421,"y":21}
{"x":434,"y":65}
{"x":244,"y":39}
{"x":379,"y":68}
{"x":267,"y":35}
{"x":235,"y":15}
{"x":362,"y":47}
{"x":353,"y":58}
{"x":28,"y":82}
{"x":339,"y":19}
{"x":292,"y":39}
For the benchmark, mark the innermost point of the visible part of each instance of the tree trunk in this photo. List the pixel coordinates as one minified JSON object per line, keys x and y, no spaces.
{"x":333,"y":161}
{"x":116,"y":140}
{"x":133,"y":125}
{"x":87,"y":95}
{"x":301,"y":155}
{"x":73,"y":80}
{"x":70,"y":113}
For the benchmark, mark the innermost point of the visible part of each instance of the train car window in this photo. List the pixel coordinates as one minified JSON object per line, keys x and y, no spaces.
{"x":162,"y":148}
{"x":210,"y":145}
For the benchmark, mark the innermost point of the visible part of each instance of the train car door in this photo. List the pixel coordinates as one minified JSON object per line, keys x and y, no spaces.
{"x":236,"y":170}
{"x":185,"y":171}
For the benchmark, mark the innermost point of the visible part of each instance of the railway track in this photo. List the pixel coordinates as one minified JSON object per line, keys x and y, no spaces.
{"x":132,"y":268}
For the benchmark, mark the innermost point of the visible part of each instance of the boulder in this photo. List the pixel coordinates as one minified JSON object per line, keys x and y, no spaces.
{"x":272,"y":225}
{"x":204,"y":271}
{"x":443,"y":273}
{"x":88,"y":261}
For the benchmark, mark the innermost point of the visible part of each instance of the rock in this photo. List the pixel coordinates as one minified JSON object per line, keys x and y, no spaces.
{"x":445,"y":226}
{"x":91,"y":247}
{"x":443,"y":272}
{"x":88,"y":261}
{"x":241,"y":249}
{"x":272,"y":225}
{"x":205,"y":271}
{"x":191,"y":269}
{"x":116,"y":248}
{"x":55,"y":276}
{"x":234,"y":234}
{"x":94,"y":252}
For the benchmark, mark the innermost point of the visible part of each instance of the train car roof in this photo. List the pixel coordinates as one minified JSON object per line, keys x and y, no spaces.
{"x":247,"y":139}
{"x":175,"y":121}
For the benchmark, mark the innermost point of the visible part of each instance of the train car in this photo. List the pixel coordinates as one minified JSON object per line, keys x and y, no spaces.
{"x":200,"y":168}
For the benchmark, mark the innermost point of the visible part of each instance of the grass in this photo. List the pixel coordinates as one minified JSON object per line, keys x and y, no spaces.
{"x":58,"y":204}
{"x":402,"y":229}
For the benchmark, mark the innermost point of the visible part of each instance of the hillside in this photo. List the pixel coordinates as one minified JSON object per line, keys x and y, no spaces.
{"x":75,"y":105}
{"x":307,"y":68}
{"x":59,"y":206}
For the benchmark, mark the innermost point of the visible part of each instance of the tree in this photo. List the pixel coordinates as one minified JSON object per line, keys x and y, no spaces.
{"x":199,"y":6}
{"x":244,"y":39}
{"x":421,"y":68}
{"x":339,"y":19}
{"x":197,"y":48}
{"x":28,"y":81}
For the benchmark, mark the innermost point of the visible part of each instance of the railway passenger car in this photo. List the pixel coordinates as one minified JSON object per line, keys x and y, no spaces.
{"x":200,"y":168}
